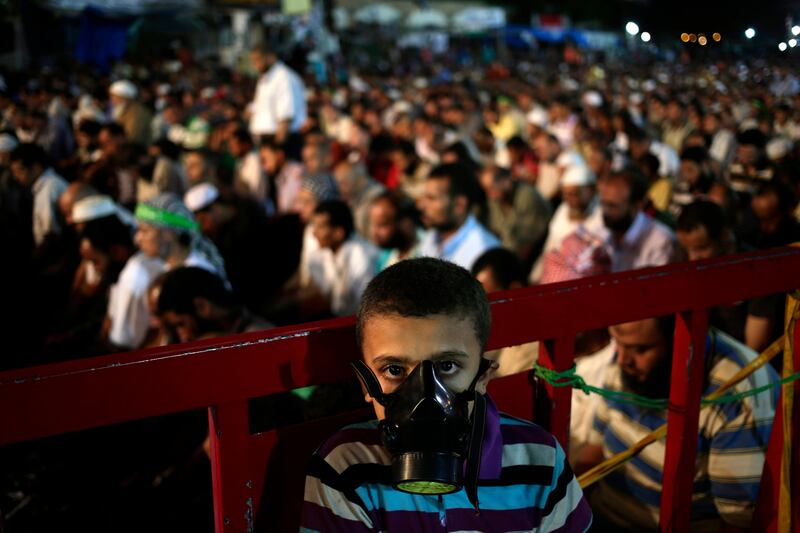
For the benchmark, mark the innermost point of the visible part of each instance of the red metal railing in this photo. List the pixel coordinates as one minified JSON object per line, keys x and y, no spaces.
{"x":222,"y":374}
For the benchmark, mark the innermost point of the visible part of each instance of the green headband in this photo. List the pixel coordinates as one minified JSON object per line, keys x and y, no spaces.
{"x":160,"y":217}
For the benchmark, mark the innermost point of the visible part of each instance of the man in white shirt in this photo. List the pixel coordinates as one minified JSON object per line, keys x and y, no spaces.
{"x":453,"y":233}
{"x":631,"y":238}
{"x":29,"y":167}
{"x":579,"y":202}
{"x":346,"y":262}
{"x":279,"y":106}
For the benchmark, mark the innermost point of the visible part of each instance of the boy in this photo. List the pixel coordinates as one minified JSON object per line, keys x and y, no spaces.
{"x":422,"y":326}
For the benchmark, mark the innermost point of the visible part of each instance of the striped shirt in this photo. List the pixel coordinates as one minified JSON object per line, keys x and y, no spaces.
{"x":525,"y":484}
{"x":730,"y":448}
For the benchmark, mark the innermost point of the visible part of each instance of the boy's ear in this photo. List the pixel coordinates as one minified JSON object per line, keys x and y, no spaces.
{"x":483,"y":381}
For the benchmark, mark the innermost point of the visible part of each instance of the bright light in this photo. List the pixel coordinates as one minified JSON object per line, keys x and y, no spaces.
{"x":685,"y":37}
{"x":792,"y":43}
{"x":632,"y":28}
{"x":646,"y":36}
{"x":795,"y":30}
{"x":749,"y":33}
{"x":716,"y":36}
{"x":702,"y":40}
{"x":693,"y":37}
{"x":782,"y":47}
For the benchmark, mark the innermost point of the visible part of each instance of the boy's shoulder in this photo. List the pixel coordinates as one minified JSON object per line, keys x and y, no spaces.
{"x":358,"y":443}
{"x":515,"y":430}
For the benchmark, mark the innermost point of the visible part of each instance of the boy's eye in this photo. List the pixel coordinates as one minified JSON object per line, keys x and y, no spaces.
{"x":393,"y":371}
{"x":447,"y":367}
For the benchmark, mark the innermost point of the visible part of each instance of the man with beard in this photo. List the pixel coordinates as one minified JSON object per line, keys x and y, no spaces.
{"x":394,"y":228}
{"x":454,"y":234}
{"x":631,"y":238}
{"x":127,"y":111}
{"x":732,"y":436}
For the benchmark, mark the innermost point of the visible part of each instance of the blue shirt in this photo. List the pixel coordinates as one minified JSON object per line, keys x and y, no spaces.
{"x":461,"y":248}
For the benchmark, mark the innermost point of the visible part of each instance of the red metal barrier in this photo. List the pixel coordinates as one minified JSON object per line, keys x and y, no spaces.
{"x":222,"y":374}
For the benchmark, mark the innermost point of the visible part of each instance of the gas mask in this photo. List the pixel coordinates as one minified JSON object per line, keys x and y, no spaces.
{"x":429,"y":431}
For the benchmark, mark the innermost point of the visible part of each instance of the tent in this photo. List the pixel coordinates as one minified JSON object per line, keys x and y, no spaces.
{"x":382,"y":14}
{"x":477,"y":19}
{"x":427,"y":18}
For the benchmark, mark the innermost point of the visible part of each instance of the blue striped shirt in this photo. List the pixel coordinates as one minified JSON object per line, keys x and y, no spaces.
{"x":526,"y":484}
{"x":731,"y":443}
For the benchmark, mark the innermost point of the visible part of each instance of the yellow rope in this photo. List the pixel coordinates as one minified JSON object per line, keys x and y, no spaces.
{"x":600,"y":471}
{"x":785,"y":494}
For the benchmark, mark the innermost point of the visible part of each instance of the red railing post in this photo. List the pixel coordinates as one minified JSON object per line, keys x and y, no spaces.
{"x":795,"y":475}
{"x":686,"y":386}
{"x":229,"y":433}
{"x":558,"y":354}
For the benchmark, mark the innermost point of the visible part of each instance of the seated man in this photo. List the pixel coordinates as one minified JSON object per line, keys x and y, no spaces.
{"x":732,"y":436}
{"x":454,"y":234}
{"x":703,"y":233}
{"x":194,"y":303}
{"x":500,"y":269}
{"x":344,"y":262}
{"x":422,"y":326}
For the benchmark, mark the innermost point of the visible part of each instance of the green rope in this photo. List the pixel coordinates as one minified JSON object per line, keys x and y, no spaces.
{"x":568,"y":378}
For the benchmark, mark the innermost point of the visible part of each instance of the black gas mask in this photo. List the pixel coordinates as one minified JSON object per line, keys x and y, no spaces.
{"x":429,"y":431}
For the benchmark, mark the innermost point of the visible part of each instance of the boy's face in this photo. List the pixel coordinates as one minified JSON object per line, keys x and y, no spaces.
{"x":394,"y":345}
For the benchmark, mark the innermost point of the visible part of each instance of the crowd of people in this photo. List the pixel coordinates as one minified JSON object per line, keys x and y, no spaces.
{"x":175,"y":201}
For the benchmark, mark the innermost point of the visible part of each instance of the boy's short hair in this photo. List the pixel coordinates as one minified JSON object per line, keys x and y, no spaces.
{"x":423,"y":287}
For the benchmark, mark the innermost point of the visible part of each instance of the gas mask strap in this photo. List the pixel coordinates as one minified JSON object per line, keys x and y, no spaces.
{"x":484,"y":365}
{"x":369,"y":380}
{"x":475,"y":449}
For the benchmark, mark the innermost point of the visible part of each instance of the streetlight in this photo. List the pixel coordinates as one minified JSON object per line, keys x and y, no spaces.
{"x":646,"y":36}
{"x":795,"y":30}
{"x":702,"y":41}
{"x":749,"y":33}
{"x":632,"y":28}
{"x":782,"y":47}
{"x":792,"y":43}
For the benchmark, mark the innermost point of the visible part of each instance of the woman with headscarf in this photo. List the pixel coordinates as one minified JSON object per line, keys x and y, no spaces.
{"x":168,"y":237}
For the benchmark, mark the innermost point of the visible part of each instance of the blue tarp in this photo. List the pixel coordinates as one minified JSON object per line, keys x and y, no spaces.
{"x":519,"y":36}
{"x":101,"y":39}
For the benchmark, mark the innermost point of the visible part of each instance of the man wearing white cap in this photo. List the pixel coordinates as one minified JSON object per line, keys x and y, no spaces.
{"x":579,"y":201}
{"x":240,"y":229}
{"x":132,"y":115}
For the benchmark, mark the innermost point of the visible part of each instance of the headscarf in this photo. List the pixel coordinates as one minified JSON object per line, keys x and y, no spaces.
{"x":167,"y":211}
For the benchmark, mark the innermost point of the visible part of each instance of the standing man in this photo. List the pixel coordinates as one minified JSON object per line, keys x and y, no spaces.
{"x":278,"y":109}
{"x":454,"y":234}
